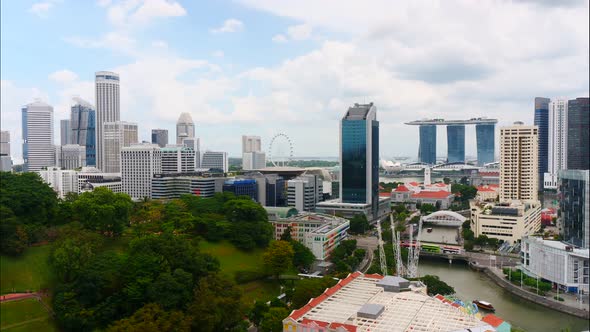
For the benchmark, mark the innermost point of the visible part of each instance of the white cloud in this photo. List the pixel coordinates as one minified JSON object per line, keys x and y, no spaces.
{"x":42,"y":8}
{"x":103,"y":3}
{"x":218,"y":54}
{"x":229,"y":25}
{"x":133,"y":13}
{"x":279,"y":39}
{"x":116,"y":41}
{"x":160,"y":44}
{"x":63,"y":76}
{"x":299,"y":32}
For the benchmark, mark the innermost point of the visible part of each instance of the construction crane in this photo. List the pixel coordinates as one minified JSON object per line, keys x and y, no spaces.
{"x":397,"y":252}
{"x":414,"y":251}
{"x":382,"y":259}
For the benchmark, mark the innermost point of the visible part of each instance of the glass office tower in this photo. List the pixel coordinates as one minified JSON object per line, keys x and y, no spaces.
{"x":427,"y":147}
{"x":542,"y":121}
{"x":359,"y":155}
{"x":574,"y":206}
{"x":83,"y":128}
{"x":456,"y":143}
{"x":486,"y":142}
{"x":578,"y":133}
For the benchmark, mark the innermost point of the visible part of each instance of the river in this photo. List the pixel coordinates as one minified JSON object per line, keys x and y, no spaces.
{"x":470,"y":285}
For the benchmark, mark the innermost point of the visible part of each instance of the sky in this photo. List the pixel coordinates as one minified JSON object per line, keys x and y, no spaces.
{"x":264,"y":67}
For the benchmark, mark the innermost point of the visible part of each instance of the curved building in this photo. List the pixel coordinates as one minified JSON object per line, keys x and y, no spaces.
{"x":108,"y":108}
{"x":185,"y":127}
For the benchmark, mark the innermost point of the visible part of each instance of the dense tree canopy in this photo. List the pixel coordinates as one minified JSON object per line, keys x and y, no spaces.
{"x":436,"y":286}
{"x":359,"y":224}
{"x":103,"y":211}
{"x":278,"y":257}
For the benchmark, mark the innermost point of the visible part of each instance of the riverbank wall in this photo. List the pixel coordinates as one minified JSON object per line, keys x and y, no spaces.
{"x":507,"y":285}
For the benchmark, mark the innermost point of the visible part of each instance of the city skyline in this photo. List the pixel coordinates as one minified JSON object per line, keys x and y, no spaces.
{"x":251,"y":71}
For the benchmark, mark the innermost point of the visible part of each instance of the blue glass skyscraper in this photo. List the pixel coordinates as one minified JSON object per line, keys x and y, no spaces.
{"x":486,"y":142}
{"x":578,"y":133}
{"x":542,"y":121}
{"x":456,"y":143}
{"x":359,"y":156}
{"x":427,"y":148}
{"x":83,"y":128}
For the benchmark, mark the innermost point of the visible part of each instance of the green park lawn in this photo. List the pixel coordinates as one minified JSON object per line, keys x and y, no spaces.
{"x":231,"y":258}
{"x":30,"y":271}
{"x":24,"y":315}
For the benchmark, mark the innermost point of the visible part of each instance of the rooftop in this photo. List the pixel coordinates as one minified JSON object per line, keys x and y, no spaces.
{"x":562,"y":246}
{"x":410,"y":310}
{"x":185,"y":118}
{"x":432,"y":194}
{"x":443,"y":122}
{"x":358,"y":112}
{"x":493,"y":320}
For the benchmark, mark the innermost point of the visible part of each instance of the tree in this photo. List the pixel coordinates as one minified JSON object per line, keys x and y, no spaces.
{"x":172,"y":290}
{"x":31,"y":200}
{"x":359,"y":224}
{"x":286,"y":236}
{"x":272,"y":321}
{"x":13,"y":235}
{"x":302,"y":256}
{"x":216,"y":304}
{"x":152,"y":318}
{"x":72,"y":251}
{"x":103,"y":211}
{"x":446,"y":180}
{"x":257,"y":312}
{"x":427,"y":208}
{"x":278,"y":257}
{"x":308,"y":288}
{"x":481,"y":240}
{"x":436,"y":286}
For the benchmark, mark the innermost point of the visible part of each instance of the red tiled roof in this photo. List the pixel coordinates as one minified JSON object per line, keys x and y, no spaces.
{"x":484,"y":188}
{"x":384,"y":194}
{"x":432,"y":194}
{"x":317,"y":322}
{"x":413,"y":183}
{"x":493,"y":320}
{"x":347,"y":327}
{"x":402,"y":188}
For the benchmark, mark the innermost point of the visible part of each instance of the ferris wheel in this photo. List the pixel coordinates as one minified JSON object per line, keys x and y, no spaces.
{"x":280,"y":150}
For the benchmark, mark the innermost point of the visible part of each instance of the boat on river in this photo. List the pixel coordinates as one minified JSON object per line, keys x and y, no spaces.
{"x":484,"y":305}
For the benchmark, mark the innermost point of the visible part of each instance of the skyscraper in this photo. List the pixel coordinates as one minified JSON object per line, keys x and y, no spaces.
{"x":557,"y":142}
{"x":139,"y":163}
{"x":117,"y":135}
{"x":185,"y":128}
{"x":574,"y":206}
{"x":542,"y":122}
{"x":70,"y":156}
{"x":304,"y":192}
{"x":486,"y":143}
{"x":83,"y":128}
{"x":215,"y":160}
{"x":456,"y":143}
{"x":427,"y":148}
{"x":107,"y":109}
{"x":252,"y":155}
{"x":359,"y":156}
{"x":37,"y":130}
{"x":65,"y":132}
{"x":160,"y":137}
{"x":5,"y":159}
{"x":178,"y":159}
{"x":519,"y":163}
{"x":578,"y":128}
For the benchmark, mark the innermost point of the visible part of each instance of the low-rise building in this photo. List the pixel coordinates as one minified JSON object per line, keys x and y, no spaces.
{"x":60,"y":180}
{"x":505,"y":221}
{"x":168,"y":186}
{"x":319,"y":232}
{"x":371,"y":302}
{"x":442,"y":199}
{"x":566,"y":266}
{"x":90,"y":178}
{"x":242,"y":187}
{"x":349,"y":210}
{"x":488,"y":192}
{"x":304,"y":192}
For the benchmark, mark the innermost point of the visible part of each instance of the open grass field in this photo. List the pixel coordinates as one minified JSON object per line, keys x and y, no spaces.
{"x":231,"y":258}
{"x":30,"y":271}
{"x":25,"y":315}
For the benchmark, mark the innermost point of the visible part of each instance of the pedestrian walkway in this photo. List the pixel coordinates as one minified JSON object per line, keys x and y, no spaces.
{"x":18,"y":296}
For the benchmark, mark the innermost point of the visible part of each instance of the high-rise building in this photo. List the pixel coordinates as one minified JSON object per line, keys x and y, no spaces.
{"x":275,"y":191}
{"x":70,"y":156}
{"x":185,"y":128}
{"x":215,"y":160}
{"x":578,"y":128}
{"x":486,"y":143}
{"x":37,"y":130}
{"x":178,"y":159}
{"x":574,"y":206}
{"x":427,"y":148}
{"x":160,"y":137}
{"x":108,"y":105}
{"x":83,"y":128}
{"x":304,"y":192}
{"x":542,"y":122}
{"x":117,"y":135}
{"x":519,"y":163}
{"x":359,"y":155}
{"x":65,"y":131}
{"x":5,"y":159}
{"x":139,"y":163}
{"x":456,"y":143}
{"x":252,"y":156}
{"x":557,"y":142}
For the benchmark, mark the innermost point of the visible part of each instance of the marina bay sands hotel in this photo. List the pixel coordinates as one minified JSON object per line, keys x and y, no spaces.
{"x":484,"y":130}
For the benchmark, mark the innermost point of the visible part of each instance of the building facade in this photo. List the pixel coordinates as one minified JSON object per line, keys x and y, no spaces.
{"x":427,"y":148}
{"x":215,"y":160}
{"x":178,"y":159}
{"x":486,"y":143}
{"x":83,"y":128}
{"x":160,"y":137}
{"x":90,"y":178}
{"x":139,"y":163}
{"x":116,"y":135}
{"x":185,"y":128}
{"x":61,"y":181}
{"x":5,"y":159}
{"x":574,"y":206}
{"x":557,"y":142}
{"x":304,"y":192}
{"x":108,"y":104}
{"x":37,"y":131}
{"x":252,"y":156}
{"x":578,"y":128}
{"x":519,"y":162}
{"x":566,"y":267}
{"x":70,"y":156}
{"x":242,"y":187}
{"x":65,"y":132}
{"x":168,"y":186}
{"x":542,"y":122}
{"x":508,"y":222}
{"x":456,"y":143}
